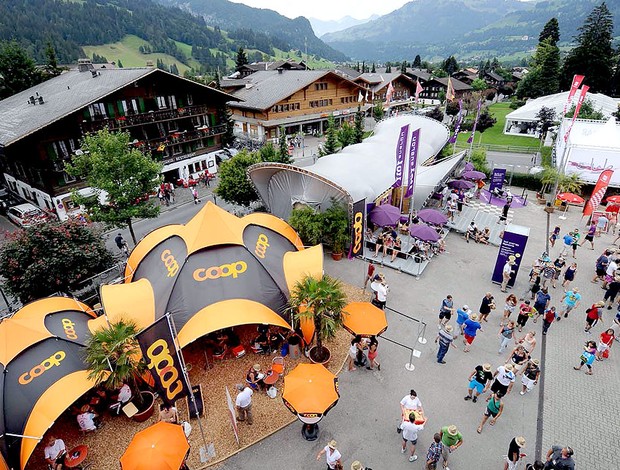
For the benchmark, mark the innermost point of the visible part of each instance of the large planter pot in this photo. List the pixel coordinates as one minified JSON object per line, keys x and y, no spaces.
{"x":312,"y":354}
{"x":336,"y":256}
{"x":148,"y":408}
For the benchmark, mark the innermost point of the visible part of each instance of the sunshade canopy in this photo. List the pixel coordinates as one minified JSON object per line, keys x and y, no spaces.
{"x":162,"y":446}
{"x":310,"y":391}
{"x":43,"y":373}
{"x":570,"y":197}
{"x":385,"y":215}
{"x":432,"y":216}
{"x":363,"y":318}
{"x":214,"y":272}
{"x":473,"y":175}
{"x":461,"y":184}
{"x":424,"y":232}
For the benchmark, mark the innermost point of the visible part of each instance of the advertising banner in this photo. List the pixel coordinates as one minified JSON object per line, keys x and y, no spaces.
{"x":401,"y":149}
{"x":161,"y":356}
{"x":358,"y":227}
{"x":512,"y":248}
{"x":413,"y":160}
{"x":599,"y":192}
{"x":232,"y":415}
{"x":497,"y":178}
{"x":457,"y":126}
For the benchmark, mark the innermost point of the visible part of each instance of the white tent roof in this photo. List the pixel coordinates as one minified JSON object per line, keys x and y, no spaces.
{"x":528,"y":111}
{"x":360,"y":171}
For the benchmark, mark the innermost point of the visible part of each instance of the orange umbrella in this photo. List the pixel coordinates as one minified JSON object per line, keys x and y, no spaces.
{"x":363,"y":318}
{"x":310,"y":391}
{"x":162,"y":446}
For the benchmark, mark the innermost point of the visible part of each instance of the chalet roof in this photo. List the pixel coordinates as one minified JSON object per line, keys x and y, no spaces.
{"x":65,"y":94}
{"x":456,"y":84}
{"x":495,"y":76}
{"x":381,"y":80}
{"x":347,"y":72}
{"x":268,"y":87}
{"x":423,"y":75}
{"x":288,"y":64}
{"x":466,"y":74}
{"x":233,"y":82}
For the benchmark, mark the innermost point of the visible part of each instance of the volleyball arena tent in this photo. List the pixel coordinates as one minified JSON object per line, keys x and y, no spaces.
{"x":43,"y":371}
{"x":359,"y":171}
{"x":217,"y":271}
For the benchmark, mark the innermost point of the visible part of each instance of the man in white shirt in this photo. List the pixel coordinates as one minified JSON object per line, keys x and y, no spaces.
{"x":506,"y":273}
{"x":55,"y":452}
{"x":243,"y":403}
{"x":409,"y":402}
{"x":86,"y":419}
{"x":410,"y":434}
{"x":504,"y":380}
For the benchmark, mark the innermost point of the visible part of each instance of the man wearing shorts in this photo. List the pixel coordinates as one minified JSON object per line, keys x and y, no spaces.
{"x":410,"y":434}
{"x":504,"y":379}
{"x":470,"y":330}
{"x":601,"y":266}
{"x":451,"y":439}
{"x":478,"y":381}
{"x":446,"y":309}
{"x":495,"y":407}
{"x":571,"y":300}
{"x":462,"y":317}
{"x":530,"y":376}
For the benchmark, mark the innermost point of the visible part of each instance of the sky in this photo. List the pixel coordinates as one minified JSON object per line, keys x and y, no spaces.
{"x":327,"y":9}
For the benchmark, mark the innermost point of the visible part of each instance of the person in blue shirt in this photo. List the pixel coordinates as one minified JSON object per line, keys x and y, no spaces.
{"x":462,"y":316}
{"x":470,"y":330}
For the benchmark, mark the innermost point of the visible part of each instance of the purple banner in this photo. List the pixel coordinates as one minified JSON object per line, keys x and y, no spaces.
{"x":473,"y":130}
{"x":457,"y":126}
{"x":358,"y":228}
{"x":512,"y":249}
{"x":413,"y":160}
{"x":401,"y":148}
{"x":497,"y":178}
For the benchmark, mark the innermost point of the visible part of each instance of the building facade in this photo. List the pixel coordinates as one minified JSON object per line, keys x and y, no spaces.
{"x":176,"y":120}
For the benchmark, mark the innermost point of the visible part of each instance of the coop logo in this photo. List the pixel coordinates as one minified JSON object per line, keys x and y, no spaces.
{"x":216,"y":272}
{"x":54,"y":360}
{"x":261,"y":246}
{"x":357,"y":230}
{"x":68,"y":326}
{"x":161,"y":361}
{"x":170,"y":263}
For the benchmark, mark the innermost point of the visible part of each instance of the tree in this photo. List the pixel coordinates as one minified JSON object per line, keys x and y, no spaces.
{"x":113,"y":357}
{"x":551,"y":30}
{"x":450,"y":65}
{"x":373,"y":69}
{"x":417,"y":62}
{"x":346,"y":135}
{"x":436,"y":114}
{"x":388,"y":67}
{"x":224,"y":116}
{"x":586,"y":111}
{"x":120,"y":174}
{"x":545,"y":117}
{"x":485,"y":120}
{"x":269,"y":153}
{"x":479,"y":84}
{"x":544,"y":76}
{"x":308,"y":223}
{"x":359,"y":126}
{"x":593,"y":55}
{"x":234,"y":185}
{"x":320,"y":301}
{"x":282,"y":143}
{"x":17,"y":70}
{"x":331,"y":138}
{"x":119,"y":64}
{"x":42,"y":260}
{"x":377,"y":111}
{"x":452,"y":108}
{"x":403,"y":67}
{"x":51,"y":68}
{"x":242,"y":59}
{"x":479,"y":159}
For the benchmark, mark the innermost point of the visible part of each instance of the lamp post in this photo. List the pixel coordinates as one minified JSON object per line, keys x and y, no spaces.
{"x":549,"y":210}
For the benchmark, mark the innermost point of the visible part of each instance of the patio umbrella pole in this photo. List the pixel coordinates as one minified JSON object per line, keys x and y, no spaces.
{"x":186,"y":377}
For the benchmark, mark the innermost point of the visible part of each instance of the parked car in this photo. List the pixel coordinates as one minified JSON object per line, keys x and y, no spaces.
{"x":8,"y":199}
{"x":26,"y":215}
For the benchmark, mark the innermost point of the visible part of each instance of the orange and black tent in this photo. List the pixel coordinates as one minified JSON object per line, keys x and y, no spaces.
{"x":43,"y":372}
{"x":216,"y":271}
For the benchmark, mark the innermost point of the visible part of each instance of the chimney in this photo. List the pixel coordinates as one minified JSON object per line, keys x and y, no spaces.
{"x":84,"y":65}
{"x":280,"y":70}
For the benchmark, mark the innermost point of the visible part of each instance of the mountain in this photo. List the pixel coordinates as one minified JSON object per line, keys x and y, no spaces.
{"x":322,"y":27}
{"x":465,"y":28}
{"x":238,"y":19}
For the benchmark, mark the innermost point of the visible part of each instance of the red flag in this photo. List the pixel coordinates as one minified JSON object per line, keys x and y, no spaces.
{"x":450,"y":91}
{"x":582,"y":97}
{"x":389,"y":93}
{"x":418,"y":90}
{"x":599,"y":192}
{"x":577,"y":79}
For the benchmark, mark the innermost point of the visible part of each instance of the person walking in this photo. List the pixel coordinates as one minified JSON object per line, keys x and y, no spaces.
{"x":602,"y":225}
{"x":332,"y":455}
{"x":528,"y":341}
{"x":548,"y":271}
{"x":470,"y":329}
{"x":610,"y":271}
{"x":514,"y":453}
{"x":506,"y":333}
{"x":504,"y":217}
{"x":593,"y":315}
{"x":606,"y":341}
{"x":356,"y":344}
{"x":121,"y":244}
{"x":479,"y":381}
{"x":445,"y":311}
{"x":509,"y":307}
{"x":445,"y":340}
{"x":567,"y":241}
{"x":370,"y":272}
{"x":569,"y":275}
{"x":504,"y":379}
{"x":495,"y":408}
{"x":462,"y":315}
{"x":560,"y":458}
{"x":530,"y":376}
{"x":612,"y":291}
{"x":525,"y":312}
{"x":534,"y":286}
{"x":553,"y":236}
{"x":434,"y":452}
{"x":487,"y":304}
{"x":195,"y":195}
{"x":558,"y":265}
{"x":451,"y":439}
{"x":373,"y":353}
{"x":541,"y":303}
{"x":600,"y":266}
{"x":575,"y":244}
{"x":590,"y":235}
{"x":410,"y":434}
{"x":507,"y":272}
{"x":243,"y":402}
{"x":587,"y":357}
{"x":548,"y":319}
{"x":571,"y":299}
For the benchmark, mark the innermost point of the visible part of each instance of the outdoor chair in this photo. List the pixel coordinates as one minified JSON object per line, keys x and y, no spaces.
{"x":220,"y":356}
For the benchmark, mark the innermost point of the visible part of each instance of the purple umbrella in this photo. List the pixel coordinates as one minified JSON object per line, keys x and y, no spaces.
{"x":473,"y":175}
{"x":424,"y":233}
{"x":432,"y":216}
{"x":461,"y":184}
{"x":385,"y":214}
{"x":468,"y":166}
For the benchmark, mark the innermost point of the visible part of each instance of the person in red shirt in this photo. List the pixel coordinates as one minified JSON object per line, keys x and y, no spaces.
{"x":548,"y":319}
{"x":593,"y":315}
{"x":606,"y":342}
{"x":369,"y":274}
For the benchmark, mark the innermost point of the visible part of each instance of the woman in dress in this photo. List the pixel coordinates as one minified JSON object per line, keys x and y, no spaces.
{"x":587,"y":357}
{"x":372,"y":353}
{"x":529,"y":341}
{"x":509,"y":307}
{"x":518,"y":358}
{"x":569,"y":275}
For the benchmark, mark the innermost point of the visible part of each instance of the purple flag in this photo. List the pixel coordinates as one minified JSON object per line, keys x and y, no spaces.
{"x":457,"y":126}
{"x":413,"y":159}
{"x":401,"y":148}
{"x":473,"y":131}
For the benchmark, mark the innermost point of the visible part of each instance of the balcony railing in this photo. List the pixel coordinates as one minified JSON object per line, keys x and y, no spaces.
{"x":129,"y":120}
{"x":180,"y":137}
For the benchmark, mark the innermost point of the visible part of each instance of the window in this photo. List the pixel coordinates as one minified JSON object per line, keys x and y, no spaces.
{"x":161,"y":102}
{"x":320,"y":86}
{"x":97,"y":110}
{"x":173,"y":101}
{"x":69,"y":178}
{"x":190,"y":99}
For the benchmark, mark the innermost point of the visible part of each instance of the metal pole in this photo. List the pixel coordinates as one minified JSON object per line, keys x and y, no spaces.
{"x":548,"y":229}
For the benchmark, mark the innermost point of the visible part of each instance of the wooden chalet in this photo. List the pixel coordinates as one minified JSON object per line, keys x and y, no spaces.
{"x":434,"y":86}
{"x":377,"y":85}
{"x":289,"y":64}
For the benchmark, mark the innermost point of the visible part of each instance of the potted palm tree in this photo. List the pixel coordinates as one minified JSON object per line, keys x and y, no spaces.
{"x":321,"y":301}
{"x":114,"y":358}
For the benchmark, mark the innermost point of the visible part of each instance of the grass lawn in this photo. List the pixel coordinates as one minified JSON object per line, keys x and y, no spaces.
{"x":127,"y":50}
{"x":495,"y":135}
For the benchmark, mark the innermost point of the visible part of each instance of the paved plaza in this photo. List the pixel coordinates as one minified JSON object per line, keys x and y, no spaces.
{"x":576,"y":408}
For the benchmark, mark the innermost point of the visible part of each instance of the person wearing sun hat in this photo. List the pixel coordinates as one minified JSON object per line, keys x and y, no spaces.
{"x":332,"y":455}
{"x":530,"y":376}
{"x":357,"y":465}
{"x":479,"y":380}
{"x":451,"y":439}
{"x":504,"y":379}
{"x":514,"y":453}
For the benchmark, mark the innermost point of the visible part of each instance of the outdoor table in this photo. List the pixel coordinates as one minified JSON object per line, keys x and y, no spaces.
{"x":271,"y":377}
{"x":419,"y":417}
{"x":76,"y":456}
